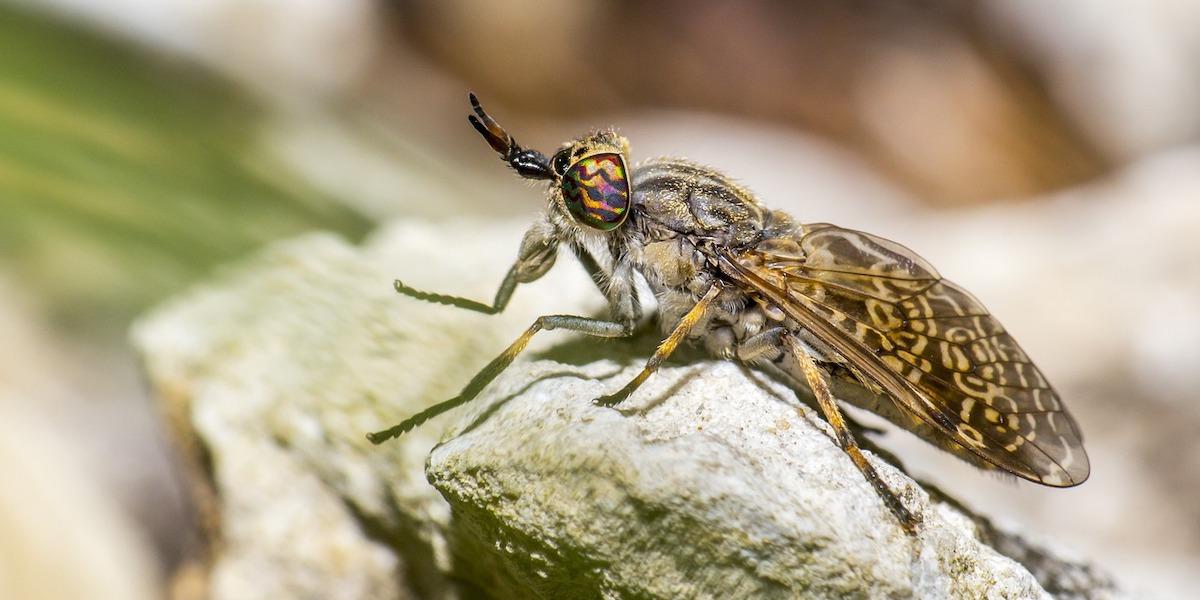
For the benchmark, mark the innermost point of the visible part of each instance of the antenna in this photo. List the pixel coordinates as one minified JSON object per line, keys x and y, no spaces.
{"x":529,"y":164}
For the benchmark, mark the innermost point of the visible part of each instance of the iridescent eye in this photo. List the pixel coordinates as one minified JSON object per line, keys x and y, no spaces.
{"x":596,"y":191}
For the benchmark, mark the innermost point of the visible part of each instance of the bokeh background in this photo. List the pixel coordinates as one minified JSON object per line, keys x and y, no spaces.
{"x":1045,"y":155}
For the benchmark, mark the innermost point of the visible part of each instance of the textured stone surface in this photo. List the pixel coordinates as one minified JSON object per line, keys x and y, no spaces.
{"x":714,"y":482}
{"x":279,"y":367}
{"x":720,"y":486}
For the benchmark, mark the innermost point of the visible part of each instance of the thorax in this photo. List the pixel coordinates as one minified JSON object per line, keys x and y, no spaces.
{"x":684,"y":217}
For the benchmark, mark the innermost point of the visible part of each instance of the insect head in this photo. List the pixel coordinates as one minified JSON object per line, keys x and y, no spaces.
{"x":591,"y":174}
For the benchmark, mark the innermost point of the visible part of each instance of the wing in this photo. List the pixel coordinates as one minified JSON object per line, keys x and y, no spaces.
{"x":925,"y":341}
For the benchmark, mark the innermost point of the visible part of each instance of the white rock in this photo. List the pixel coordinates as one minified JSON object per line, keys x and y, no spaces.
{"x":717,"y":483}
{"x":283,"y":364}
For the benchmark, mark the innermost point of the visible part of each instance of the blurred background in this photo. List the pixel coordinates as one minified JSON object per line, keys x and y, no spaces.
{"x":1045,"y":155}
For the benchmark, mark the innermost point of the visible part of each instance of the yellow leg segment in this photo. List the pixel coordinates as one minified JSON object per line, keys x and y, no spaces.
{"x":665,"y":348}
{"x":816,"y":381}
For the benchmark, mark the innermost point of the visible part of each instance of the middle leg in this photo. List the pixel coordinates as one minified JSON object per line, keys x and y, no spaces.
{"x":664,"y":350}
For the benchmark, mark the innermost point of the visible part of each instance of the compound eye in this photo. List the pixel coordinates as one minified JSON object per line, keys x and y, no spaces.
{"x":560,"y":162}
{"x":596,"y":191}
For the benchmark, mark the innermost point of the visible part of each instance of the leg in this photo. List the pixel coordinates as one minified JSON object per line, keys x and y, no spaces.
{"x":497,"y":305}
{"x":760,"y":344}
{"x":618,"y":286}
{"x":539,"y":247}
{"x":846,"y":440}
{"x":590,"y":265}
{"x":770,"y":341}
{"x":594,"y":327}
{"x":664,"y":349}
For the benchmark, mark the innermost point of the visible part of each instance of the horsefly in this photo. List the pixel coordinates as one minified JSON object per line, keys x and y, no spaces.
{"x":815,"y":301}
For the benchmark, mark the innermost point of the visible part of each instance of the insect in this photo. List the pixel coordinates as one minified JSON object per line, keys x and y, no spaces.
{"x":819,"y":303}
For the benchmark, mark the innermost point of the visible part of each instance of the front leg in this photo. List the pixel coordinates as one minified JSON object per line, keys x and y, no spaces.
{"x":538,"y":250}
{"x":617,"y":284}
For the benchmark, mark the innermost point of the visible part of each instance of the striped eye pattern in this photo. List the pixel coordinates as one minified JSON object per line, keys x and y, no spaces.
{"x":596,"y":191}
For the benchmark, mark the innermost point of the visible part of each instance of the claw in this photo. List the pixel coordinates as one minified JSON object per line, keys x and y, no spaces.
{"x":609,"y":400}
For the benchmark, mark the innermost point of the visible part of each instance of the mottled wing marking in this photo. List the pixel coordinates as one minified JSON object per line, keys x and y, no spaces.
{"x":948,"y":361}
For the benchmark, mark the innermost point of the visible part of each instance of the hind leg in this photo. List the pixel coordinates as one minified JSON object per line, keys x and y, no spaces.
{"x":845,"y":439}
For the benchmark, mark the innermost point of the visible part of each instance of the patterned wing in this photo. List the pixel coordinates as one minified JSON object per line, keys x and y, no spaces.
{"x":925,"y":341}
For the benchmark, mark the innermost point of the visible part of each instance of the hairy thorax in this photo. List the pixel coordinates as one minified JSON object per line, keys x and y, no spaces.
{"x":698,"y":214}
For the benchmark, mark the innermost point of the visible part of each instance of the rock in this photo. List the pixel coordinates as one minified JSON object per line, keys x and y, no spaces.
{"x":713,"y":481}
{"x":278,"y":368}
{"x":715,"y":484}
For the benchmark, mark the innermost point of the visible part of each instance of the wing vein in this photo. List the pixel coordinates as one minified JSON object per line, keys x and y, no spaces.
{"x":933,"y":406}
